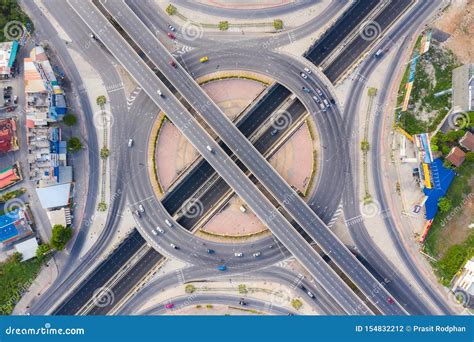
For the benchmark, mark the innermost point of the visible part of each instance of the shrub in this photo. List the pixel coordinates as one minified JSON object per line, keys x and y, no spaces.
{"x":223,"y":25}
{"x":171,"y":9}
{"x":102,"y":206}
{"x":189,"y":288}
{"x":242,"y":289}
{"x":104,"y":152}
{"x":296,"y":303}
{"x":278,"y":24}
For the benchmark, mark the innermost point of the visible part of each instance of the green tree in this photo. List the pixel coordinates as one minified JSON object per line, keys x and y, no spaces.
{"x":69,"y":119}
{"x":101,"y":100}
{"x":223,"y":25}
{"x":60,"y":236}
{"x":364,"y":145}
{"x":171,"y":9}
{"x":444,"y":204}
{"x":74,"y":144}
{"x":102,"y":206}
{"x":296,"y":303}
{"x":278,"y":24}
{"x":104,"y":152}
{"x":42,"y":251}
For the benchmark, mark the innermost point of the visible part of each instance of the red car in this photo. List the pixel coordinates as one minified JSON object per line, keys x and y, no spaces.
{"x":169,"y":306}
{"x":390,"y":300}
{"x":172,"y":63}
{"x":171,"y":36}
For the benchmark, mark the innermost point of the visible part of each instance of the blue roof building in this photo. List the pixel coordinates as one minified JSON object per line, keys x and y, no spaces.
{"x":441,"y":180}
{"x":8,"y":229}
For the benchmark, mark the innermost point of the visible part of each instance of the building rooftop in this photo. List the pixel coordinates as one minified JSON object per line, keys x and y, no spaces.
{"x":7,"y":57}
{"x":9,"y":176}
{"x":27,"y":248}
{"x":456,"y":156}
{"x":13,"y":226}
{"x":8,"y":135}
{"x":441,"y":179}
{"x":463,"y":87}
{"x":467,"y":141}
{"x":54,"y":196}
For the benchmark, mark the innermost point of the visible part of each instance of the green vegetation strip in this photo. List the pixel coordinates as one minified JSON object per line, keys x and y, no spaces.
{"x":226,"y":77}
{"x":277,"y":24}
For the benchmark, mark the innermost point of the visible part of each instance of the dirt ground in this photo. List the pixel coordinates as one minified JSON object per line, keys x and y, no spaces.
{"x":458,"y":21}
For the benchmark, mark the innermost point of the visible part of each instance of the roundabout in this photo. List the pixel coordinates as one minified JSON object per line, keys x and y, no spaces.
{"x":193,"y":247}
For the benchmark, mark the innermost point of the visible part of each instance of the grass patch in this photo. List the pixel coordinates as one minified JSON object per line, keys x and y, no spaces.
{"x":456,"y":193}
{"x":15,"y":279}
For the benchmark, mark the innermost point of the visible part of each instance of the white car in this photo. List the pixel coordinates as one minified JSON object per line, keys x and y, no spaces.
{"x":168,"y":222}
{"x":239,"y":254}
{"x":172,"y":245}
{"x":316,"y":99}
{"x":257,"y":254}
{"x":319,"y":92}
{"x":307,"y":71}
{"x":171,"y":28}
{"x":302,"y":74}
{"x":160,"y":230}
{"x":140,"y":207}
{"x":159,"y":92}
{"x":310,"y":294}
{"x":209,"y":148}
{"x":153,"y":232}
{"x":130,"y":142}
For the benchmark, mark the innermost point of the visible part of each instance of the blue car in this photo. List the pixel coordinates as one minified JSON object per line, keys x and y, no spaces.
{"x":222,"y":268}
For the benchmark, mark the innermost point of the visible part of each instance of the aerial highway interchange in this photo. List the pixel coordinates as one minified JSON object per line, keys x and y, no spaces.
{"x":234,"y":160}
